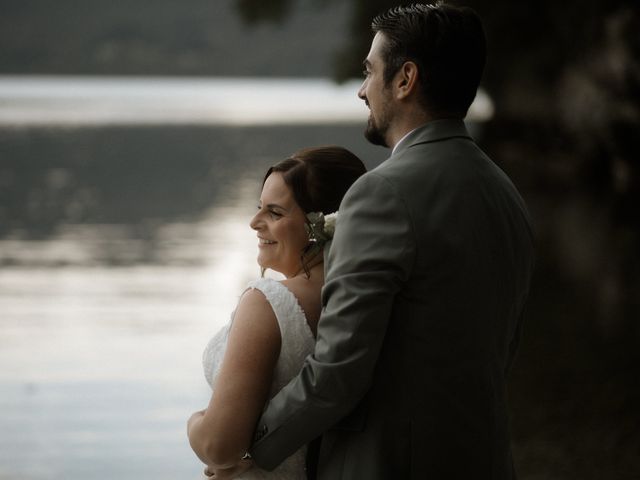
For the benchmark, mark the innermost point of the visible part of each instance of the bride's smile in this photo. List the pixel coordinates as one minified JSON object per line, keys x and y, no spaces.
{"x":280,"y":225}
{"x":264,"y":242}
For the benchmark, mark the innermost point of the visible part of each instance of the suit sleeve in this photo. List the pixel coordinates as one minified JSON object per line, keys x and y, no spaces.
{"x":370,"y":259}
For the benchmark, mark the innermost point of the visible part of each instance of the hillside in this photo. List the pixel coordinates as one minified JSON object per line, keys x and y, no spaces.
{"x":162,"y":37}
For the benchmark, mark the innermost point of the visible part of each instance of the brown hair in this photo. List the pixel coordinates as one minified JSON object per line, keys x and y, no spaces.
{"x":318,"y":178}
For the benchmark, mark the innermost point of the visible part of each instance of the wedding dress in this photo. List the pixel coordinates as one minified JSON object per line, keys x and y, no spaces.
{"x":297,"y":342}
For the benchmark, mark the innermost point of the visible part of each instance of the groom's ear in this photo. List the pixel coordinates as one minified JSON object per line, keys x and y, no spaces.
{"x":406,"y":80}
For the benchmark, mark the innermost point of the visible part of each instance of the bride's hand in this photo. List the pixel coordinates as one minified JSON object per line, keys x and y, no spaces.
{"x":228,"y":473}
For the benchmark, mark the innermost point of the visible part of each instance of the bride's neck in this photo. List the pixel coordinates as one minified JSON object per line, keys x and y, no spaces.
{"x":315,"y":268}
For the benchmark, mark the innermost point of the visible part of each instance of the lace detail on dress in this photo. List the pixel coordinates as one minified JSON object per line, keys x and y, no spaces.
{"x":297,"y":342}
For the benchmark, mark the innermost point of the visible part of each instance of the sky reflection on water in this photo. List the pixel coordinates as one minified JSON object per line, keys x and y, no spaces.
{"x":86,"y":100}
{"x":101,"y":364}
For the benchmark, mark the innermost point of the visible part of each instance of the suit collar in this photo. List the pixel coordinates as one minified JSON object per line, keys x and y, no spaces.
{"x":433,"y":131}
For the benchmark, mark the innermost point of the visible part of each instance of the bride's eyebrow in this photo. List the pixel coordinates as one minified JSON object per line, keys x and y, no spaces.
{"x":276,"y":206}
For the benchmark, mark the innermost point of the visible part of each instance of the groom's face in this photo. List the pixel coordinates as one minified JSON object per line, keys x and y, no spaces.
{"x":376,"y":94}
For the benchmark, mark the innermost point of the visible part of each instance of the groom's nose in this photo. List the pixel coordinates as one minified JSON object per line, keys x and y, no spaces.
{"x":361,"y":94}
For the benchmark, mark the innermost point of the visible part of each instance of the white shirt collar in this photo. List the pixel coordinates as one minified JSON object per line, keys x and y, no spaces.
{"x":402,"y":140}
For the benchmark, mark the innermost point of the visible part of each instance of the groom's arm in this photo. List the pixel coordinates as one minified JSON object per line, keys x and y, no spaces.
{"x":370,"y":259}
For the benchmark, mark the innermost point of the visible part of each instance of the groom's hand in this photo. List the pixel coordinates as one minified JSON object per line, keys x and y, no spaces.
{"x":228,"y":473}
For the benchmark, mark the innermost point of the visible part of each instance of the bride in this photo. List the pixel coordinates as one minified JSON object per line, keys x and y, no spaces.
{"x":273,"y":327}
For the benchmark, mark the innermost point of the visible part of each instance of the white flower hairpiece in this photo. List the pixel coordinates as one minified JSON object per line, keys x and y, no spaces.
{"x":330,"y":223}
{"x":321,"y":227}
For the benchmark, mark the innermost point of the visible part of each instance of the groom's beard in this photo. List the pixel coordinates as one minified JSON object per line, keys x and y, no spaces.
{"x":378,"y":126}
{"x":375,"y":134}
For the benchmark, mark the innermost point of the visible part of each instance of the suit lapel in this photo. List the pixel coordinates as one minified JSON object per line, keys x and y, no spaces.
{"x":434,"y":131}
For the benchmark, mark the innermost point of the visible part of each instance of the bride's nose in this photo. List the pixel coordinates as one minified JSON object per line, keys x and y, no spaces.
{"x":255,"y":222}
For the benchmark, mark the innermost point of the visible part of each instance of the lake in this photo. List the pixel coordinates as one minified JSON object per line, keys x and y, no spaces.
{"x":101,"y":362}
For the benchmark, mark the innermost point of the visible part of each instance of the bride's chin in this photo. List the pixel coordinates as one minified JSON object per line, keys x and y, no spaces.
{"x":264,"y":265}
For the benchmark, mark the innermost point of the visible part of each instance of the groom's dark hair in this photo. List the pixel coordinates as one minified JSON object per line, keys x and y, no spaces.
{"x":447,"y":44}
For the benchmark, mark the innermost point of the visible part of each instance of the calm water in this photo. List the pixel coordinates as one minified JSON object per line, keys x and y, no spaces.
{"x":82,"y":101}
{"x":101,"y":364}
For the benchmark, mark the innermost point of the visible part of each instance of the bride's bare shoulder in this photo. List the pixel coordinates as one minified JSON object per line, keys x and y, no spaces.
{"x":254,"y":304}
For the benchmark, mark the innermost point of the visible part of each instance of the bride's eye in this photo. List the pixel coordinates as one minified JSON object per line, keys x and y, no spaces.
{"x":275,"y":214}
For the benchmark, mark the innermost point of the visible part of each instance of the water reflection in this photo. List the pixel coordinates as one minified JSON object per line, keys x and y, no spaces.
{"x":101,"y":364}
{"x":141,"y":177}
{"x":89,"y":100}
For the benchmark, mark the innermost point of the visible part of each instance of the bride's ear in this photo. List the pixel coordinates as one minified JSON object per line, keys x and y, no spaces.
{"x":406,"y":80}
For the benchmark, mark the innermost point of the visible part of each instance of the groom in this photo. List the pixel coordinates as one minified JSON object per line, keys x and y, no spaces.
{"x":426,"y":282}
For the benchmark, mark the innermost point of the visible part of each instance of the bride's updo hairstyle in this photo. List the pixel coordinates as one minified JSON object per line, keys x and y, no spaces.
{"x":318,"y":178}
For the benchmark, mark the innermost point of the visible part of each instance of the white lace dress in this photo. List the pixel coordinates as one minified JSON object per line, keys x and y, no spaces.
{"x":297,"y":342}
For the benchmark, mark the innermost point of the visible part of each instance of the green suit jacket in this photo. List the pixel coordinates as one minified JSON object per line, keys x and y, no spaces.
{"x":422,"y":309}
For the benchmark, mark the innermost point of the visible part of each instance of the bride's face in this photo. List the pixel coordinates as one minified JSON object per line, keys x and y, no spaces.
{"x":280,"y":225}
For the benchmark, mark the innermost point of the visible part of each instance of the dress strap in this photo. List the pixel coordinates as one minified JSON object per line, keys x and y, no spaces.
{"x":291,"y":318}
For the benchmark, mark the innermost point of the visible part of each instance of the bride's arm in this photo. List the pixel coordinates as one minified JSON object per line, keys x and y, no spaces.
{"x":221,"y":434}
